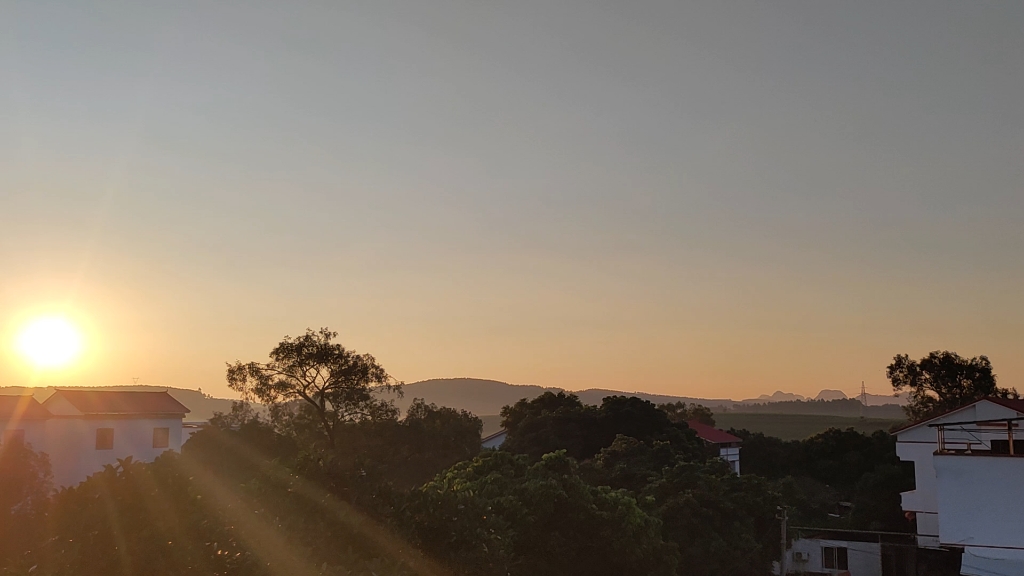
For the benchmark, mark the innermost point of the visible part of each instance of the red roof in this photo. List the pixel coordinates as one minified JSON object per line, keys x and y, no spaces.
{"x":1010,"y":403}
{"x":121,"y":402}
{"x":711,"y":434}
{"x":22,"y":408}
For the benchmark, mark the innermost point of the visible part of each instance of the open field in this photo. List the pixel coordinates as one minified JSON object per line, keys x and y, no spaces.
{"x":785,"y":426}
{"x":798,"y":426}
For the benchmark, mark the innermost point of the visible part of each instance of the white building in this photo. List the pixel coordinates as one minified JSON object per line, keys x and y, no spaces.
{"x":22,"y":419}
{"x":83,"y":430}
{"x":969,"y":469}
{"x":494,"y":441}
{"x":728,"y":446}
{"x":833,"y":557}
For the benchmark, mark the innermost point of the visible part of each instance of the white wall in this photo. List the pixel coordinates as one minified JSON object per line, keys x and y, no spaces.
{"x":864,"y":558}
{"x":732,"y":456}
{"x":35,"y":431}
{"x":918,"y":445}
{"x":71,"y":444}
{"x":495,"y":442}
{"x":980,"y":500}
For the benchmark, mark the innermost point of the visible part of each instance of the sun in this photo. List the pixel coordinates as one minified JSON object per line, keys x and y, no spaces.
{"x":49,"y":342}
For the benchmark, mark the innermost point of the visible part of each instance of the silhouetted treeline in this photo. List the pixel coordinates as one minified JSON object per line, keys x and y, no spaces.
{"x":624,"y":487}
{"x":838,"y":407}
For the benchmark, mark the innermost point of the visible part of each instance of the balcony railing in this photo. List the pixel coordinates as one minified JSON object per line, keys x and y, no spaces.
{"x":980,"y":437}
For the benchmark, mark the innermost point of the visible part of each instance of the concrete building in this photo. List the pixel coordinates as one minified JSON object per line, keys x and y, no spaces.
{"x":969,"y":469}
{"x":494,"y":441}
{"x":728,"y":446}
{"x":834,"y":557}
{"x":83,"y":430}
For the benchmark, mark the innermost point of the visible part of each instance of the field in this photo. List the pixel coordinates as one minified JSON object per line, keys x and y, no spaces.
{"x":798,"y":426}
{"x":785,"y":426}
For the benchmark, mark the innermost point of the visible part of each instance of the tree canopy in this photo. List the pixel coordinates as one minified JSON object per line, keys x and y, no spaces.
{"x":552,"y":422}
{"x":336,"y":384}
{"x":943,"y":381}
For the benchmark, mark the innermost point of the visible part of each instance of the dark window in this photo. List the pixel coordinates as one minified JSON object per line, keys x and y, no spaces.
{"x":13,"y":437}
{"x":104,"y":438}
{"x":161,"y":437}
{"x":1003,"y":447}
{"x":834,"y":558}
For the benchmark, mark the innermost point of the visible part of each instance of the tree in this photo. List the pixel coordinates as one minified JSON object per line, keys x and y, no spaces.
{"x":560,"y":421}
{"x":943,"y":381}
{"x":681,"y":412}
{"x":336,"y":384}
{"x":25,"y":481}
{"x":500,"y":514}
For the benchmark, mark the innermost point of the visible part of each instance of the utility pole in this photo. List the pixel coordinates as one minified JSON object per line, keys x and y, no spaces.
{"x":783,"y":519}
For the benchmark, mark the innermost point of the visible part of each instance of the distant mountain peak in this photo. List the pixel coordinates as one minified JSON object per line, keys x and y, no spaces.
{"x":831,"y":395}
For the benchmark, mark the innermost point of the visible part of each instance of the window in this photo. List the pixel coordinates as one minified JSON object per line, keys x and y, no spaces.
{"x":104,"y":438}
{"x":1003,"y":447}
{"x":834,"y":558}
{"x":13,"y":437}
{"x":161,"y":437}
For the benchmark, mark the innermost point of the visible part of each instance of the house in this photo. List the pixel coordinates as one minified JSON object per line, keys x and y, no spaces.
{"x":834,"y":557}
{"x":728,"y":446}
{"x":83,"y":430}
{"x":969,"y":467}
{"x":494,"y":441}
{"x":22,"y":419}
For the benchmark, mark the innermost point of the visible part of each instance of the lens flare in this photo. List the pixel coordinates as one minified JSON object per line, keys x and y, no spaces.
{"x":50,"y":342}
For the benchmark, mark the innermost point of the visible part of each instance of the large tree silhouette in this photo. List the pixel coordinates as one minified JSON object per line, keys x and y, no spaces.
{"x":337,"y":384}
{"x":943,"y":381}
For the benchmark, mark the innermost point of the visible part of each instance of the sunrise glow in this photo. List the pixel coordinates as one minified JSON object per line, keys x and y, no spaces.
{"x":49,"y":342}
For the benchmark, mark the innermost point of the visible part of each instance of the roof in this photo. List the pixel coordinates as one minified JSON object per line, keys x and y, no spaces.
{"x":711,"y":434}
{"x":1010,"y":403}
{"x":22,"y":408}
{"x":501,"y":432}
{"x":120,"y":402}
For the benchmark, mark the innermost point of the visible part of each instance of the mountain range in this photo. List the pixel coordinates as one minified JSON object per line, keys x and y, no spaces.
{"x":487,"y":397}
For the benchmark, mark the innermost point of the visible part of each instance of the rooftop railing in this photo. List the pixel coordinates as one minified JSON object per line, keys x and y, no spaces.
{"x":982,"y":436}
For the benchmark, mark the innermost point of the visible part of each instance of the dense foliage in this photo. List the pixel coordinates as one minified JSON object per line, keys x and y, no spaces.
{"x":837,"y":466}
{"x":943,"y":381}
{"x":621,"y":488}
{"x":334,"y":384}
{"x":552,"y":422}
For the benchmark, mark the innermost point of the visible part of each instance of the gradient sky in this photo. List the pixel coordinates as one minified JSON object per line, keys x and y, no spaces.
{"x":715,"y":199}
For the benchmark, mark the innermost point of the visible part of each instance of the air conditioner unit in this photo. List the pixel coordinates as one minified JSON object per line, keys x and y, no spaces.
{"x":801,"y":557}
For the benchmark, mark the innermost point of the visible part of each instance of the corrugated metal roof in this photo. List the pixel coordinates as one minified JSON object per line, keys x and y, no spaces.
{"x":120,"y":402}
{"x":22,"y":408}
{"x":712,"y":434}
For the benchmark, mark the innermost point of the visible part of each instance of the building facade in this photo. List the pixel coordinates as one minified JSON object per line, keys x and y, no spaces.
{"x":83,"y":430}
{"x":969,"y":469}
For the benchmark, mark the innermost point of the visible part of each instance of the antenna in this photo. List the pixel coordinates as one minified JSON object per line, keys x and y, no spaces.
{"x":863,"y":398}
{"x":135,"y":379}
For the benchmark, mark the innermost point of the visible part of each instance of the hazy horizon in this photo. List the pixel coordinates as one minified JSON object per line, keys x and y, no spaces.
{"x":709,"y":200}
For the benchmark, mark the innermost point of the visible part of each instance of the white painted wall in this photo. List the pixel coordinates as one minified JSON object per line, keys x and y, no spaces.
{"x":495,"y":441}
{"x":980,"y":503}
{"x":864,"y":558}
{"x":918,"y":445}
{"x":732,"y":456}
{"x":71,"y":444}
{"x":35,"y":431}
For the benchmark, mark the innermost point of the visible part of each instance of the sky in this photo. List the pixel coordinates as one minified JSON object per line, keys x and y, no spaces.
{"x":715,"y":199}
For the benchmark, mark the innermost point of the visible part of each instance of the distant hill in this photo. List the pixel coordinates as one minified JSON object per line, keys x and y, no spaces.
{"x":487,"y":397}
{"x":202,"y":406}
{"x":483,"y":397}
